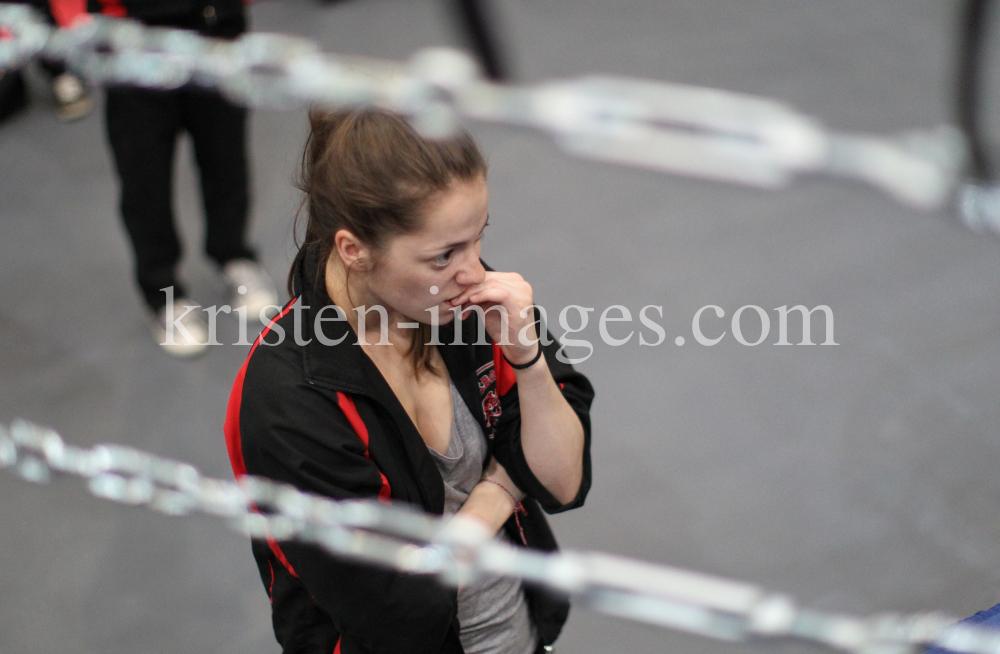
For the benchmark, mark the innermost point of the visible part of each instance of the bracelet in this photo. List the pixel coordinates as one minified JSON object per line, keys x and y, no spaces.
{"x":522,"y":366}
{"x":518,"y":507}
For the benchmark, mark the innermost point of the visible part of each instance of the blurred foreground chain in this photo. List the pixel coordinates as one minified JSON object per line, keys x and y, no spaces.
{"x":457,"y":550}
{"x":671,"y":128}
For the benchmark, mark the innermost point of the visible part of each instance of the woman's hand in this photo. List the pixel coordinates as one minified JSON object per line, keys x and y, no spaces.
{"x":492,"y":501}
{"x":506,"y":300}
{"x":551,"y":433}
{"x":490,"y":504}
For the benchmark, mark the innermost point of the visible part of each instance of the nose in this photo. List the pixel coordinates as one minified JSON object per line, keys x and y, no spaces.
{"x":471,"y":271}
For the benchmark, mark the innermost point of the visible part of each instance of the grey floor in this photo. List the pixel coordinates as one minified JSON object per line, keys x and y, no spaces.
{"x":859,"y":478}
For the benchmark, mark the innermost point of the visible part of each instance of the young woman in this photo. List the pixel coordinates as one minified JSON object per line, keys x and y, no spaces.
{"x":392,"y":374}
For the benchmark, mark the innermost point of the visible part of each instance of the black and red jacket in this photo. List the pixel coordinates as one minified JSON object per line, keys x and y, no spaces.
{"x":219,"y":18}
{"x":322,"y":418}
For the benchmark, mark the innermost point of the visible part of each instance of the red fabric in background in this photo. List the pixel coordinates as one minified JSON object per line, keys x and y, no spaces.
{"x":66,"y":11}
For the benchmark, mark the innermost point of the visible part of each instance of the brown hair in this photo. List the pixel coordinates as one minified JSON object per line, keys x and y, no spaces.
{"x":368,"y":171}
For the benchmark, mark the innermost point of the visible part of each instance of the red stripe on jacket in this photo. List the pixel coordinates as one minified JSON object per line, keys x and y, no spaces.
{"x":65,"y":12}
{"x":113,"y":8}
{"x":505,"y":374}
{"x":234,"y":443}
{"x":232,"y":426}
{"x":347,"y":406}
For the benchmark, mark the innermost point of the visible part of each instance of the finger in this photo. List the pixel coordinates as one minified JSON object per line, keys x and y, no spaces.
{"x":491,"y":295}
{"x":464,"y":296}
{"x":470,"y":307}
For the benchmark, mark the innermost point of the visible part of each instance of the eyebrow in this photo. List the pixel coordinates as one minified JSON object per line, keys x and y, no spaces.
{"x":457,"y":243}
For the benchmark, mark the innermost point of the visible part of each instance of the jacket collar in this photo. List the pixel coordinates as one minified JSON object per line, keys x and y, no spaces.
{"x":345,"y":366}
{"x":332,"y":356}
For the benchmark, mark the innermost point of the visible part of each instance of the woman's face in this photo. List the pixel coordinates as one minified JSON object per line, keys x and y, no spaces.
{"x":429,"y":267}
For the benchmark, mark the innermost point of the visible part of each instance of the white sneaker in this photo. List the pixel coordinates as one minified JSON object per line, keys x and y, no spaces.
{"x":252,"y":287}
{"x":73,"y":99}
{"x":180,"y":329}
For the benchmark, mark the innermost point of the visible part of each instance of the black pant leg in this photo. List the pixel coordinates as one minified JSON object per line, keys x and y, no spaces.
{"x":13,"y":94}
{"x":53,"y":68}
{"x":142,"y":129}
{"x":218,"y":130}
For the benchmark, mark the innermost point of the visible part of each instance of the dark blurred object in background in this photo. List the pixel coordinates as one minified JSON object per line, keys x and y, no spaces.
{"x":979,"y":195}
{"x":972,"y":52}
{"x":480,"y":28}
{"x":13,"y":96}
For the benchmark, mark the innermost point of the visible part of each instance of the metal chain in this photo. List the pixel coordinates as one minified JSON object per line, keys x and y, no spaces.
{"x":457,"y":550}
{"x":661,"y":126}
{"x":671,"y":128}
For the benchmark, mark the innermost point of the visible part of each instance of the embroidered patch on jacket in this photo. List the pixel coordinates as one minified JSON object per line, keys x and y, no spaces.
{"x":487,"y":380}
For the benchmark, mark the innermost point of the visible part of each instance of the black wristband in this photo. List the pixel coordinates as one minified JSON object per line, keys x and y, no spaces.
{"x":522,"y":366}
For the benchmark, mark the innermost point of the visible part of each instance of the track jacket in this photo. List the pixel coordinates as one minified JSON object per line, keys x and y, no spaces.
{"x":220,"y":18}
{"x":322,"y":418}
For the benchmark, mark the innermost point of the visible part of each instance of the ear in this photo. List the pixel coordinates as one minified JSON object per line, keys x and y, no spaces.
{"x":354,"y":254}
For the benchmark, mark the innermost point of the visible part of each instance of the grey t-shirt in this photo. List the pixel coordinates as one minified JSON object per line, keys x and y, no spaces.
{"x":492,"y":610}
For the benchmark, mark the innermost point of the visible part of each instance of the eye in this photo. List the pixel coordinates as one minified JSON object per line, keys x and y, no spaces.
{"x":444,"y":259}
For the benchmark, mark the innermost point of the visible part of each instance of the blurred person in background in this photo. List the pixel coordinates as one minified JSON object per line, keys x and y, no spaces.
{"x":143,"y":126}
{"x":70,"y":93}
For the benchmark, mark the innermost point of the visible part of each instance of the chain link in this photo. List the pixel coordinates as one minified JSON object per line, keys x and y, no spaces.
{"x":666,"y":127}
{"x":456,"y":550}
{"x":661,"y":126}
